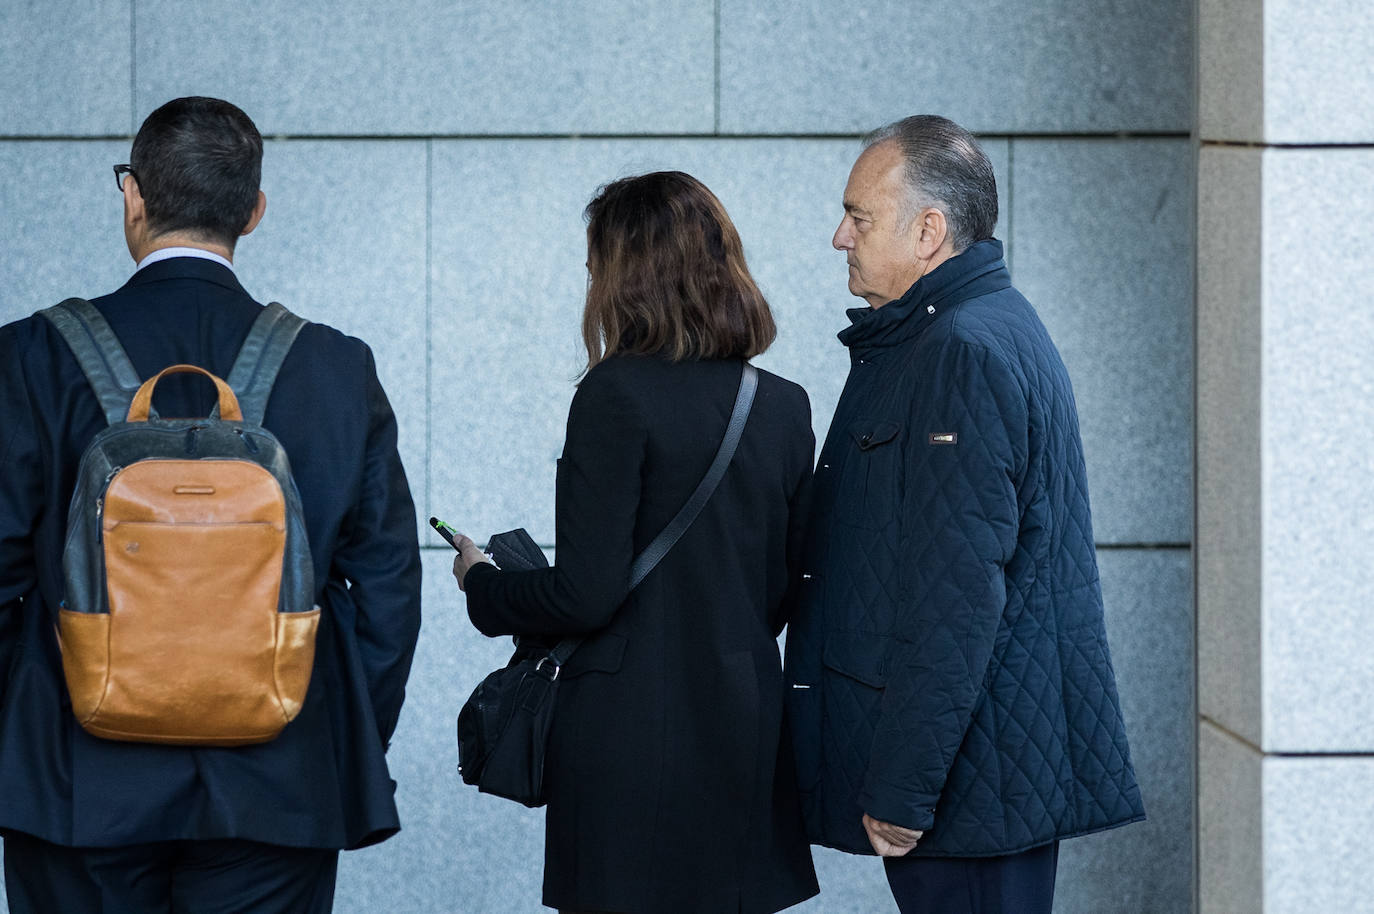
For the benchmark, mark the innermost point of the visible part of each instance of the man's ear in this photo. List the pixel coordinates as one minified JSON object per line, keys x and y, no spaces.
{"x":134,"y":212}
{"x":932,"y":234}
{"x":258,"y":209}
{"x":135,"y":218}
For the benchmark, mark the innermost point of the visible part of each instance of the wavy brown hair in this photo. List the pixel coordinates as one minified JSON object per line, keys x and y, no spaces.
{"x":668,"y":274}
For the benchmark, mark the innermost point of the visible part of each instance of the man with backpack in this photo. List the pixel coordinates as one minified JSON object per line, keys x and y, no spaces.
{"x":207,"y":622}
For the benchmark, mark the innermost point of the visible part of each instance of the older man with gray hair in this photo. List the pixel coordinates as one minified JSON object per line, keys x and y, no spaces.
{"x":951,"y":693}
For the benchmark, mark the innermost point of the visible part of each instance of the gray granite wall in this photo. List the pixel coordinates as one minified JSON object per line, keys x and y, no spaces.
{"x":426,"y":167}
{"x":1285,"y":455}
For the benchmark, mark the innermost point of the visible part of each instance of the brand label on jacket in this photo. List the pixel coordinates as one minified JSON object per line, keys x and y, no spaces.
{"x":944,"y":437}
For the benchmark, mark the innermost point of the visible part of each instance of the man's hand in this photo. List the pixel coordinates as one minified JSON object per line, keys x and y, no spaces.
{"x":890,"y":840}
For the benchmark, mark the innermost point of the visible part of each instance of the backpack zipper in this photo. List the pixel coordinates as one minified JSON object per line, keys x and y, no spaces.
{"x":100,"y":505}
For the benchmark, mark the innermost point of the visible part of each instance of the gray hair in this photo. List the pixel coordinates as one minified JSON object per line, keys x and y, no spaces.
{"x":945,"y":169}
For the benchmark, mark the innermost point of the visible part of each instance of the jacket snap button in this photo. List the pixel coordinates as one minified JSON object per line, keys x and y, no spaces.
{"x":865,"y":439}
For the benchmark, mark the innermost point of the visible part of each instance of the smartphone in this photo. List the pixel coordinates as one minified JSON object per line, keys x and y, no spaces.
{"x":445,"y":531}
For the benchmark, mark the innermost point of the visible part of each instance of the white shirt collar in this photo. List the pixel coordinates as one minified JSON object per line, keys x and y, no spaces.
{"x":167,"y":253}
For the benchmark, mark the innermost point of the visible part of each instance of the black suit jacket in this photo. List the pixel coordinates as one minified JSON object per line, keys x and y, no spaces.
{"x":670,"y":778}
{"x":323,"y":782}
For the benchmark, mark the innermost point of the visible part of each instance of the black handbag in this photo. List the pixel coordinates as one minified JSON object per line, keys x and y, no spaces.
{"x":503,"y":728}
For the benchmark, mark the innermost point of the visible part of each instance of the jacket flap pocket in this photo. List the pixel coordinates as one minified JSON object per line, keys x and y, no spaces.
{"x":599,"y":654}
{"x":859,"y":657}
{"x":869,"y":433}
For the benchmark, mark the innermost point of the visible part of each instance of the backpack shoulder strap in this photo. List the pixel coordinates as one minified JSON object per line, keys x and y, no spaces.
{"x":259,"y":360}
{"x":99,"y":353}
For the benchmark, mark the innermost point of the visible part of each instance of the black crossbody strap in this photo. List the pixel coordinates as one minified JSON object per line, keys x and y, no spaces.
{"x":98,"y":352}
{"x":669,"y":535}
{"x":655,"y":551}
{"x":259,"y":359}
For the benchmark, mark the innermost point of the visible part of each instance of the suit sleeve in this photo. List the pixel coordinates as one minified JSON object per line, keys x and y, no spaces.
{"x":21,"y":490}
{"x":960,"y":521}
{"x":379,"y":555}
{"x":597,"y":501}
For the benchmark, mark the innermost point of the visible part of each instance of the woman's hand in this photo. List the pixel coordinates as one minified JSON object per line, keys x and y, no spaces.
{"x":468,"y":555}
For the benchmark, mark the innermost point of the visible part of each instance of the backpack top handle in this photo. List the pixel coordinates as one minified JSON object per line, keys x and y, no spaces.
{"x":142,"y":406}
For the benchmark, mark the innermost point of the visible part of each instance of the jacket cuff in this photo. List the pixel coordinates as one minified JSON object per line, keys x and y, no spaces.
{"x":897,"y":806}
{"x":478,"y":569}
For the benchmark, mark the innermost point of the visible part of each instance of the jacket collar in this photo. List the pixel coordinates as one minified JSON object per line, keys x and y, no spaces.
{"x":977,"y":271}
{"x":186,"y":268}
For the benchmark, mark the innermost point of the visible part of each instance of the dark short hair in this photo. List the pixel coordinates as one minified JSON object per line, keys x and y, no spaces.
{"x":948,"y":170}
{"x":198,"y":163}
{"x":668,"y":274}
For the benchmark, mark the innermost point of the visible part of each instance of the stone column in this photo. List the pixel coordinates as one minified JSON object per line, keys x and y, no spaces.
{"x":1285,"y":453}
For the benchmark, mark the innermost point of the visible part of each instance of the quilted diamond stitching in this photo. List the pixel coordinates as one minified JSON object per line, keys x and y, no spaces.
{"x":1048,"y":731}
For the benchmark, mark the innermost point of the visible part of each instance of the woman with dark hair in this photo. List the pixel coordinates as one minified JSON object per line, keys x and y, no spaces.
{"x":669,"y":778}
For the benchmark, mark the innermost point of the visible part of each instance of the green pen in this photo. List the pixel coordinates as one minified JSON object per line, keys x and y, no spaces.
{"x":447,"y":532}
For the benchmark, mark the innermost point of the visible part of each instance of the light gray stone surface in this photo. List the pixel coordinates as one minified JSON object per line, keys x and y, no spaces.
{"x":1318,"y":72}
{"x":458,"y":850}
{"x":65,"y":68}
{"x":1318,"y":445}
{"x":1230,"y":824}
{"x":429,"y":67}
{"x":508,"y":277}
{"x":64,"y":231}
{"x":1285,"y":71}
{"x":1231,"y":70}
{"x":1000,"y":66}
{"x":1148,"y":866}
{"x":1229,"y":472}
{"x":850,"y":884}
{"x":1102,"y":246}
{"x":1285,"y":518}
{"x":343,"y":242}
{"x":1317,"y":822}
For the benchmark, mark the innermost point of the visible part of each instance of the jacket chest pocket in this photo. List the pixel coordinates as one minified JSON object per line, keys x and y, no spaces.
{"x":868,"y":490}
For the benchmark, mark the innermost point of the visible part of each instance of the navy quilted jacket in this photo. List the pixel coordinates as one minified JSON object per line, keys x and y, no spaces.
{"x":948,"y":666}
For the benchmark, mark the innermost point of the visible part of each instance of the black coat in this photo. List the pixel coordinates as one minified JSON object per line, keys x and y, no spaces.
{"x":670,"y":778}
{"x":949,"y":661}
{"x":323,"y":782}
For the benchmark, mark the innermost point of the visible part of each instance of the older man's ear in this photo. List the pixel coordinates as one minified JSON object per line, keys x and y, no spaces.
{"x":932,"y":238}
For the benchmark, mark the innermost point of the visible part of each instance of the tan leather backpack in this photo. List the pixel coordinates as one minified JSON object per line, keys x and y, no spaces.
{"x":188,"y":617}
